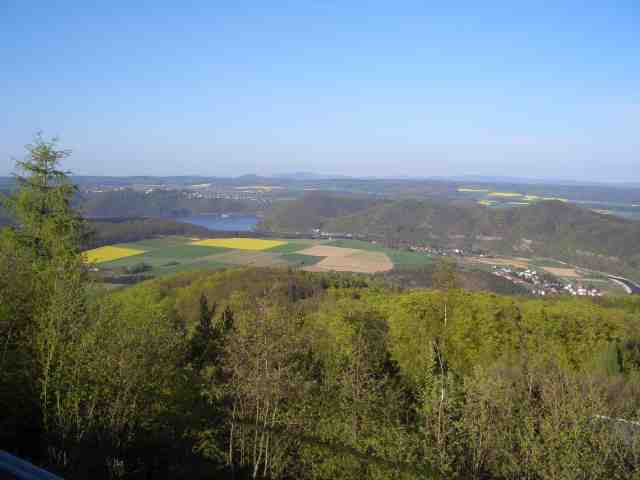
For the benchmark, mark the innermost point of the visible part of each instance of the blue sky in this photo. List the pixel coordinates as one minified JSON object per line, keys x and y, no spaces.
{"x":355,"y":88}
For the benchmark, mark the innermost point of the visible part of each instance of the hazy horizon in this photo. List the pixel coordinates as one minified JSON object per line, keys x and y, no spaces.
{"x":369,"y":90}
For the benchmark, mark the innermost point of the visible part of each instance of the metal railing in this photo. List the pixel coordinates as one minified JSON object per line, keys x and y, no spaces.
{"x":19,"y":469}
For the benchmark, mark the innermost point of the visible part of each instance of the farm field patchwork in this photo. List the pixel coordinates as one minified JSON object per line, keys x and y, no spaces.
{"x":254,"y":258}
{"x":292,"y":246}
{"x":169,"y":256}
{"x":161,"y":256}
{"x":340,"y":259}
{"x":240,"y":243}
{"x":157,"y":243}
{"x":399,"y":258}
{"x":299,"y":260}
{"x":109,"y":253}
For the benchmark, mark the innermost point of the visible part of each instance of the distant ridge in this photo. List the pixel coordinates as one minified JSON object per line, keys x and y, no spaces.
{"x":535,"y":181}
{"x":552,"y":228}
{"x":309,"y":176}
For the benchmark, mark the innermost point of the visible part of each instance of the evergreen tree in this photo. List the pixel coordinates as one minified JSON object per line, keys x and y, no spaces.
{"x":43,"y":249}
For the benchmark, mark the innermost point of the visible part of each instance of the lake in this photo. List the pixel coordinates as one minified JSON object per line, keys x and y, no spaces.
{"x":231,"y":223}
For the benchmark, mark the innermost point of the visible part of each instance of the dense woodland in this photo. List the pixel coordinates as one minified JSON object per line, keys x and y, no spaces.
{"x":158,"y":203}
{"x":550,"y":229}
{"x":467,"y":279}
{"x":270,"y":373}
{"x":119,"y":230}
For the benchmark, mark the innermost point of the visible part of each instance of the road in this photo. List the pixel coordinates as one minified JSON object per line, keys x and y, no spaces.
{"x":630,"y":287}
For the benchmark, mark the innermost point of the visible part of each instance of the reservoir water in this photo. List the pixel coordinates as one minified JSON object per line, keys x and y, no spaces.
{"x":224,"y":223}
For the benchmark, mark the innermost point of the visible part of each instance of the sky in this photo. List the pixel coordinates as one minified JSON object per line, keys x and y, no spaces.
{"x":375,"y":88}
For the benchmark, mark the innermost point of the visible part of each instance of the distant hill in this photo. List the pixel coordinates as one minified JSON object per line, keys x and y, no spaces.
{"x":314,"y":210}
{"x":306,"y":176}
{"x":159,"y":203}
{"x":554,"y":229}
{"x":536,"y":181}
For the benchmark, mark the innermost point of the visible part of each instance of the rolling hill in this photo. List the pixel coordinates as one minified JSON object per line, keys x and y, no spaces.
{"x":314,"y":210}
{"x":552,"y":229}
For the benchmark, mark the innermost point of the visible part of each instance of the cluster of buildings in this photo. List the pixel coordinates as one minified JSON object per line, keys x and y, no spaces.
{"x":447,"y":252}
{"x":318,"y":233}
{"x":541,"y":286}
{"x":433,"y":250}
{"x":582,"y":291}
{"x":205,"y":191}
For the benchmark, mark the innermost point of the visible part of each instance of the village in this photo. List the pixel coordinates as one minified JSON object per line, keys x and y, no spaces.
{"x":542,"y":285}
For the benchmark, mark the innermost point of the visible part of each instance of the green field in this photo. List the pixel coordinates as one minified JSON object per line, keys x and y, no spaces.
{"x":162,"y":256}
{"x":299,"y":260}
{"x":292,"y":246}
{"x":174,"y":254}
{"x":547,"y":262}
{"x":400,"y":258}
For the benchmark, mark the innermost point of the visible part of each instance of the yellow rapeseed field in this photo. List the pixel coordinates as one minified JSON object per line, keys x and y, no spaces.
{"x":109,"y":253}
{"x":505,"y":194}
{"x":469,"y":189}
{"x":536,"y":198}
{"x":240,"y":243}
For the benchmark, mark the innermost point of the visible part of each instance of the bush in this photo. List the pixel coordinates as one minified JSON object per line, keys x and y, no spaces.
{"x":138,"y":268}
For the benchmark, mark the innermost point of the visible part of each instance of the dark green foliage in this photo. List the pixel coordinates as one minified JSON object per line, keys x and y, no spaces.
{"x":121,"y":230}
{"x":42,"y":293}
{"x":445,"y":276}
{"x":312,"y":211}
{"x":138,"y":268}
{"x":407,"y":278}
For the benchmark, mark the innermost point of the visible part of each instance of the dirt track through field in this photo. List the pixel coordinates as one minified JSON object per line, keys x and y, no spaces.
{"x":340,"y":259}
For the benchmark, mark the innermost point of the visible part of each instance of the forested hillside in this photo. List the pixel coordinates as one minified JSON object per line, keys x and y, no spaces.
{"x":314,"y":210}
{"x":119,"y":230}
{"x":269,"y":374}
{"x":158,"y":203}
{"x":552,"y":229}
